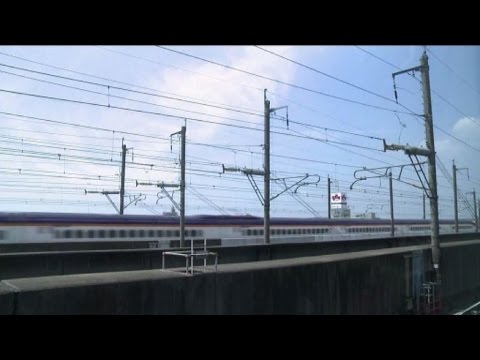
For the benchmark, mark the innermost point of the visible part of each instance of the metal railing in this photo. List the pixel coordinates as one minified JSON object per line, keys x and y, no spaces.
{"x":191,"y":255}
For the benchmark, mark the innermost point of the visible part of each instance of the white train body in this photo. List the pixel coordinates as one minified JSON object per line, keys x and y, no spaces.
{"x":163,"y":231}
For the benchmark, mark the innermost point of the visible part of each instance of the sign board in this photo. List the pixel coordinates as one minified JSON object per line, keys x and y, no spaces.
{"x":338,"y":198}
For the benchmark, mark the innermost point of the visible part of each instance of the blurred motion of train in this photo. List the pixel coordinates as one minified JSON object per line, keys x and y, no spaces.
{"x":163,"y":231}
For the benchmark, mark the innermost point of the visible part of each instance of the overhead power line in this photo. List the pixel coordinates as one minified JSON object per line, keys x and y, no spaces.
{"x":440,"y":96}
{"x":290,"y":84}
{"x":336,"y":78}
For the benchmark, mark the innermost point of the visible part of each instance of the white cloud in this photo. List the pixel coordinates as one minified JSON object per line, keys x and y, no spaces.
{"x":166,"y":79}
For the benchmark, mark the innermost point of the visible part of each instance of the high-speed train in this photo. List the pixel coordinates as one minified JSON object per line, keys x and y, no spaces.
{"x":164,"y":231}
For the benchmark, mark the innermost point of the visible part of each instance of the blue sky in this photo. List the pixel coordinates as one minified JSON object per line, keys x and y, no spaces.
{"x":63,"y":160}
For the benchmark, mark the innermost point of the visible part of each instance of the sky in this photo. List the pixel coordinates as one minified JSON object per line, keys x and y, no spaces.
{"x":339,"y":109}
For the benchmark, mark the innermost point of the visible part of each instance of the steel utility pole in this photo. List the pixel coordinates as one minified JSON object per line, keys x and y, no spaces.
{"x":475,"y":209}
{"x":182,"y":188}
{"x":455,"y":202}
{"x":429,"y":153}
{"x":432,"y":170}
{"x":424,"y":207}
{"x":162,"y":185}
{"x":266,"y":176}
{"x":122,"y":183}
{"x":455,"y":192}
{"x":392,"y":232}
{"x":329,"y":195}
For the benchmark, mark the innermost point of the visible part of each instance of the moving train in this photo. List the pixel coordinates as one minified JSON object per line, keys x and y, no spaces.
{"x":163,"y":231}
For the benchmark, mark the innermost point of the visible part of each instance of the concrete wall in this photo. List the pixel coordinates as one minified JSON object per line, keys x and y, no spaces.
{"x":308,"y":286}
{"x":25,"y":264}
{"x":461,"y":275}
{"x":366,"y":282}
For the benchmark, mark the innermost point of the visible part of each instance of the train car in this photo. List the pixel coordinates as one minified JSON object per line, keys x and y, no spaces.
{"x":164,"y":232}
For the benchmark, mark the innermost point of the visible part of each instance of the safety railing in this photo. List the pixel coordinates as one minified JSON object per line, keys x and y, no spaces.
{"x":191,"y":256}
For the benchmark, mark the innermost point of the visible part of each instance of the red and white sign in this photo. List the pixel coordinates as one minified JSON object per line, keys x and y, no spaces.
{"x":338,"y":198}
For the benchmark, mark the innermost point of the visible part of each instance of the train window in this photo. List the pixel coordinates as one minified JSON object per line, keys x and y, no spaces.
{"x":159,"y":233}
{"x":112,"y":234}
{"x":177,"y":233}
{"x":1,"y":235}
{"x":79,"y":234}
{"x":91,"y":234}
{"x":151,"y":233}
{"x":68,"y":234}
{"x":122,"y":233}
{"x":131,"y":233}
{"x":101,"y":233}
{"x":200,"y":233}
{"x":169,"y":233}
{"x":194,"y":233}
{"x":141,"y":233}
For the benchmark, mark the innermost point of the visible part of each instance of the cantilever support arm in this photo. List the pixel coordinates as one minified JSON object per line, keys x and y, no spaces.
{"x":111,"y":202}
{"x":170,"y":197}
{"x":359,"y":179}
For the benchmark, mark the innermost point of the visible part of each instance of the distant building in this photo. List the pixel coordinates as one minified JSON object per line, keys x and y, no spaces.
{"x":367,"y":215}
{"x":339,"y":207}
